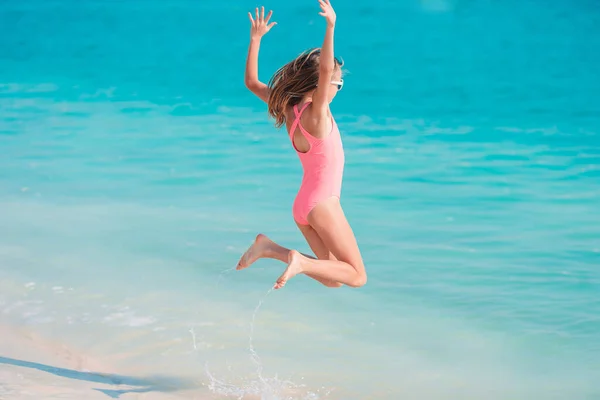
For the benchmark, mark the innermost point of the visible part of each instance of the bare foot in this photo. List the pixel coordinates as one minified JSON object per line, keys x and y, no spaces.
{"x":259,"y":248}
{"x":294,"y":268}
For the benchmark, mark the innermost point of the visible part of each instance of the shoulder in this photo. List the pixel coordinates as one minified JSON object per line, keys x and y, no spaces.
{"x":289,"y":113}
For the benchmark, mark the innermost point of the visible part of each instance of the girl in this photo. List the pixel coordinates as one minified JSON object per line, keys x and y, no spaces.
{"x":298,"y":95}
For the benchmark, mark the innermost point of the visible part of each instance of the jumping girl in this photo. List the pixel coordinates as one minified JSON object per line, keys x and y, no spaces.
{"x":298,"y":95}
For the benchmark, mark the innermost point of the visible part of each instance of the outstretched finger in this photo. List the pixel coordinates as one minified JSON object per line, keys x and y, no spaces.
{"x":250,"y":16}
{"x":268,"y":17}
{"x":262,"y":13}
{"x":257,"y":15}
{"x":272,"y":24}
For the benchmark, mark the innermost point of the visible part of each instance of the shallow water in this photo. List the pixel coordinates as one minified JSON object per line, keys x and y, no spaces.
{"x":135,"y":169}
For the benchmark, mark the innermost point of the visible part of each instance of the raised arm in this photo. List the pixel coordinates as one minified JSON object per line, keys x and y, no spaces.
{"x":258,"y":29}
{"x":327,"y":65}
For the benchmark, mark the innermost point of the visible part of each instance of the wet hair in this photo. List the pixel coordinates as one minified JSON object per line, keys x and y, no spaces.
{"x":293,"y":81}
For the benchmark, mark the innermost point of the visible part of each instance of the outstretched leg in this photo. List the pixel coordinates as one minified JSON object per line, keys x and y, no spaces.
{"x":263,"y":247}
{"x":330,"y":223}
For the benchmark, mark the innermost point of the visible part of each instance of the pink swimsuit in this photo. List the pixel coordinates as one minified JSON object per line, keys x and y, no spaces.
{"x":323,"y":166}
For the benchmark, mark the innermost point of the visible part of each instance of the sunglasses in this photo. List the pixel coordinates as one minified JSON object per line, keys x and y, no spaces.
{"x":339,"y":83}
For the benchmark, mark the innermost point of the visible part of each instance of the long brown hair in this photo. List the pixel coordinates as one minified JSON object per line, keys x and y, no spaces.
{"x":292,"y":81}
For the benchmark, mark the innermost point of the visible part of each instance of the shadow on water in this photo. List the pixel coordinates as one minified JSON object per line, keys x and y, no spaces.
{"x":157,"y":383}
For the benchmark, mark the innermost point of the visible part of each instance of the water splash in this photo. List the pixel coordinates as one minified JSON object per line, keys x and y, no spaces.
{"x":265,"y":388}
{"x":253,"y":354}
{"x":193,"y":338}
{"x":224,"y":272}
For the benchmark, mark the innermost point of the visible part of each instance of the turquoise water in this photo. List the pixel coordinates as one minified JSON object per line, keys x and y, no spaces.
{"x":135,"y":168}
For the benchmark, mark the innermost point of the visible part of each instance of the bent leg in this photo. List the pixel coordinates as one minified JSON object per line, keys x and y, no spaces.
{"x":320,"y":250}
{"x":329,"y":222}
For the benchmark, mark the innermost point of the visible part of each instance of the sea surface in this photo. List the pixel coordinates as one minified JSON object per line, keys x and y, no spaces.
{"x":136,"y":168}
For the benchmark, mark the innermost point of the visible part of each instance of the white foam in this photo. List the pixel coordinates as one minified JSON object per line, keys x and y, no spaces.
{"x":128,"y":319}
{"x":31,"y":313}
{"x":42,"y":320}
{"x":141,"y":321}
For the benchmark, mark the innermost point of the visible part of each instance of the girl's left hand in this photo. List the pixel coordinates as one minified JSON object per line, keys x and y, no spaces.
{"x":327,"y":12}
{"x":261,"y":25}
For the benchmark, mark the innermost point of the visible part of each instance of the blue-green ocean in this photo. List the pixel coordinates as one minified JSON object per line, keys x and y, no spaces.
{"x":136,"y":168}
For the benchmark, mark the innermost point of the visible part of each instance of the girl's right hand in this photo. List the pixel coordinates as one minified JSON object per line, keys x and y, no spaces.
{"x":260,"y":26}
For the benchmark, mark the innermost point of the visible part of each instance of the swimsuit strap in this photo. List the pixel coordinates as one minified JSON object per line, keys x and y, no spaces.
{"x":297,"y":120}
